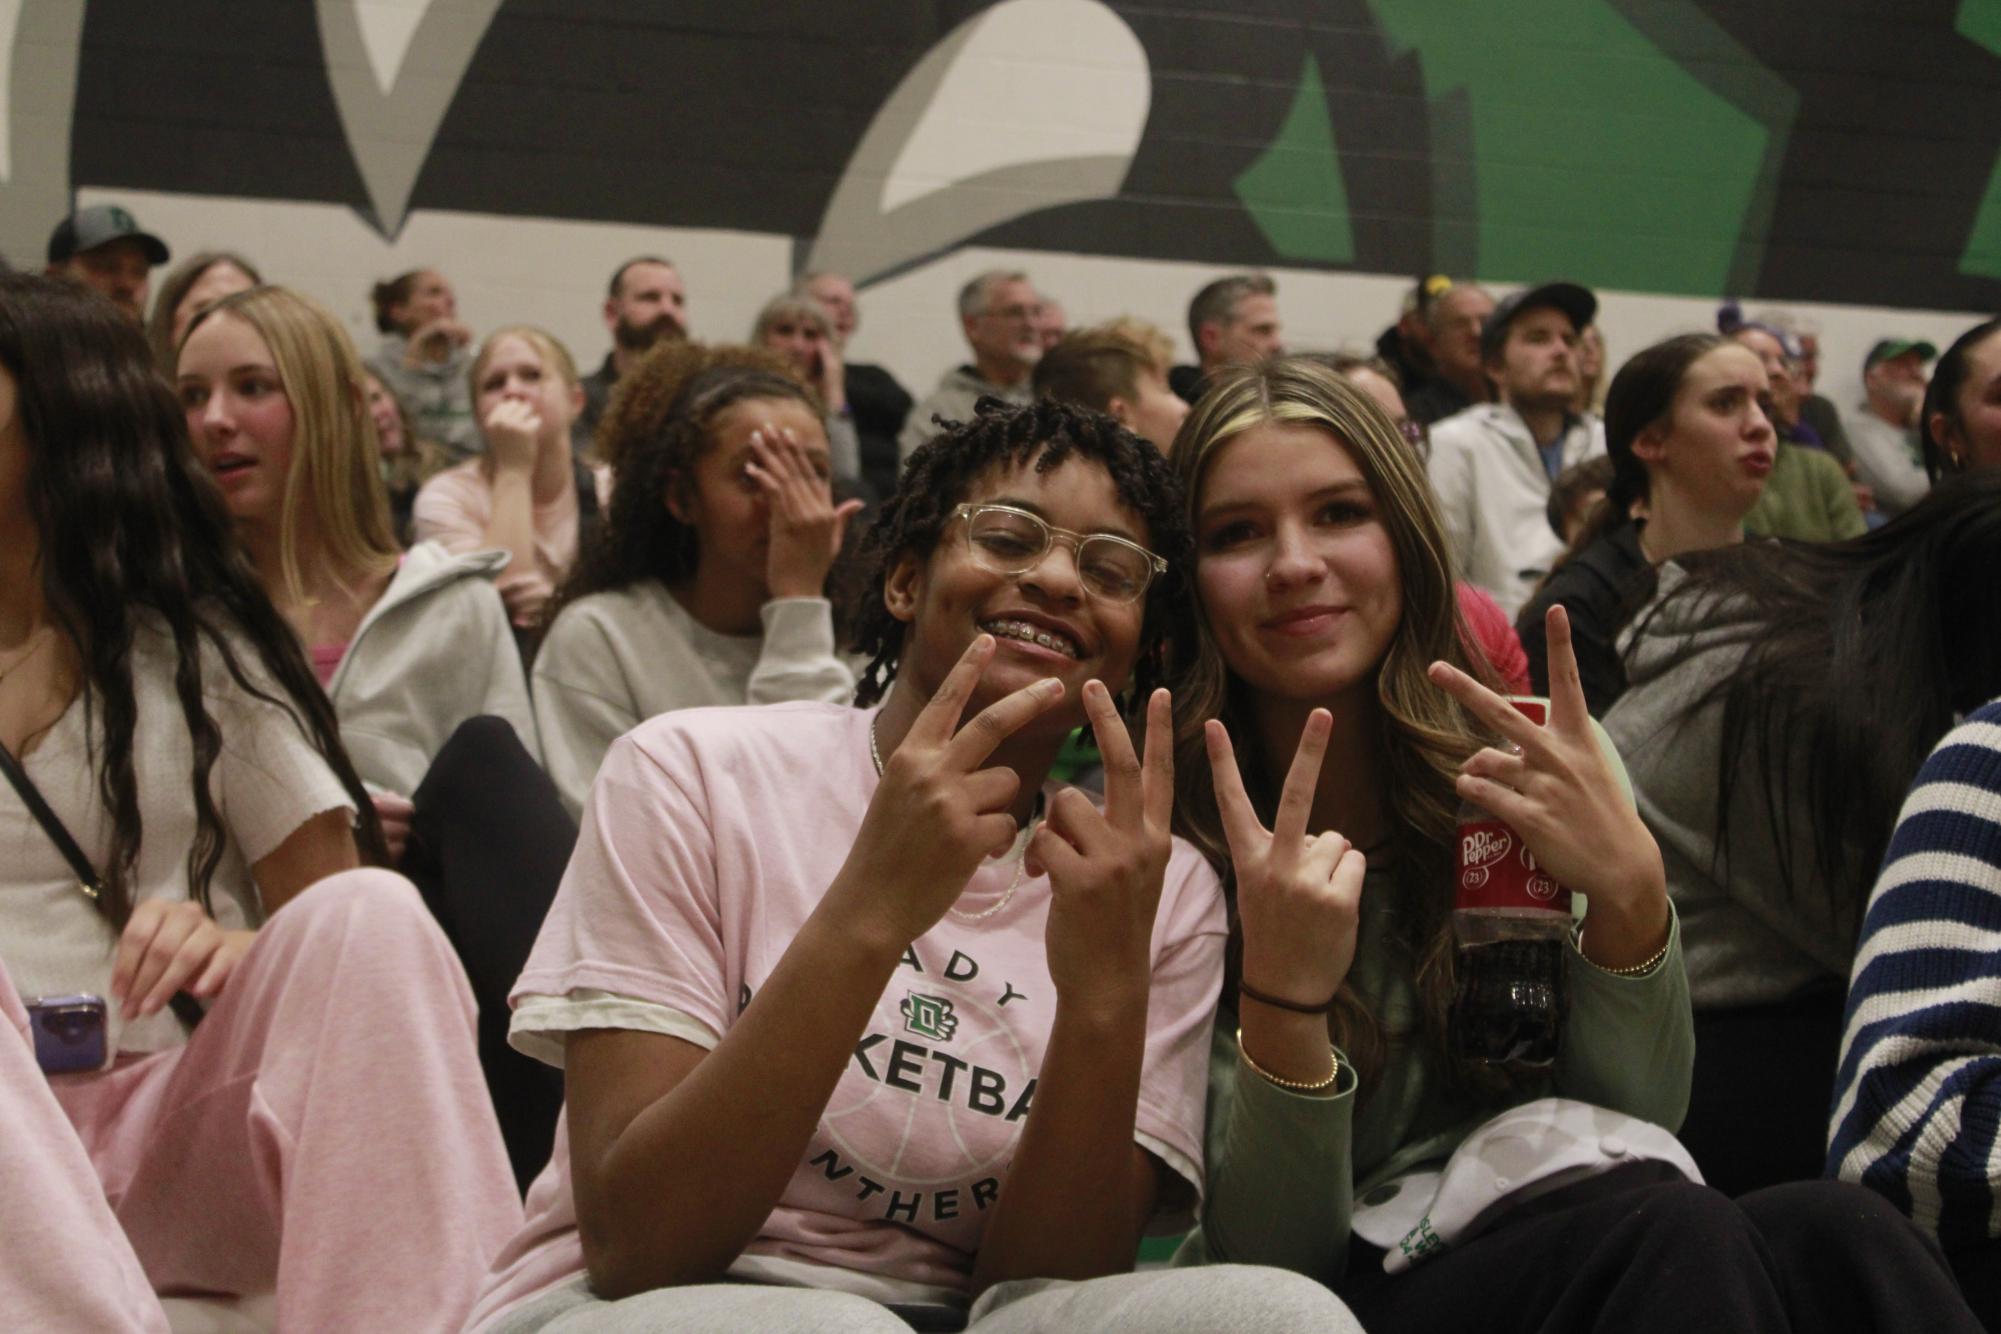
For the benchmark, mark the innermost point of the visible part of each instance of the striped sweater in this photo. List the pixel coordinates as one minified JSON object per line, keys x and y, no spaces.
{"x":1917,"y":1101}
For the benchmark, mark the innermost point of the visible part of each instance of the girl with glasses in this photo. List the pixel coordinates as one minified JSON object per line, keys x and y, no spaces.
{"x":865,"y":1025}
{"x":1342,"y":731}
{"x":707,"y":584}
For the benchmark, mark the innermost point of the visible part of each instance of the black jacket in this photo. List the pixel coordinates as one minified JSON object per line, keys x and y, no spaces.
{"x":1600,"y":587}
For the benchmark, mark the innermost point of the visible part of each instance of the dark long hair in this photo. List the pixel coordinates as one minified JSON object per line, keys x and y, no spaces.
{"x":1858,"y":656}
{"x":1942,"y":397}
{"x":657,"y":426}
{"x":129,"y":525}
{"x":940,"y":475}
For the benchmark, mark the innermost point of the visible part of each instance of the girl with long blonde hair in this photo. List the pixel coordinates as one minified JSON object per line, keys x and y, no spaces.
{"x":1327,"y":731}
{"x":527,"y":494}
{"x":413,"y":649}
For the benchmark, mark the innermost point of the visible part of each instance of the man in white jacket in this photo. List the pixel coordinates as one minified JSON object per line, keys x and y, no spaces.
{"x":1492,"y":464}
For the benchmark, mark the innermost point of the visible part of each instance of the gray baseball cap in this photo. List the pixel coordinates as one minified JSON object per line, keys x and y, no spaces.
{"x":89,"y":228}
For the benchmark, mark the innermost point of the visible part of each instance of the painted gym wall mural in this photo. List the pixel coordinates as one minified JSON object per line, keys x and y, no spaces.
{"x":1784,"y":149}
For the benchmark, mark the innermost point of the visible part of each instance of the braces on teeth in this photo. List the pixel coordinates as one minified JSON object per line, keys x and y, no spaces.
{"x":1022,"y":630}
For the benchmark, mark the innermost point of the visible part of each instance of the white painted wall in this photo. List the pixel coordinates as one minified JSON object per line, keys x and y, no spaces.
{"x":552,"y":272}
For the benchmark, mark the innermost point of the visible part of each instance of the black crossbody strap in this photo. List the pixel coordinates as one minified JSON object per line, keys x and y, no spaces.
{"x":87,"y":878}
{"x":185,"y":1007}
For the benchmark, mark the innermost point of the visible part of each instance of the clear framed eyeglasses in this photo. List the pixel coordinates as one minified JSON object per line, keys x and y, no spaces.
{"x":1007,"y":540}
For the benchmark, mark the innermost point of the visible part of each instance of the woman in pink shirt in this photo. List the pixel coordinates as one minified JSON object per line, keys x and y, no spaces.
{"x":526,"y":494}
{"x":320,"y":1141}
{"x":862,"y":1020}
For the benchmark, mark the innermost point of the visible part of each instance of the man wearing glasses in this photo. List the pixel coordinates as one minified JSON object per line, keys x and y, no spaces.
{"x":999,"y":312}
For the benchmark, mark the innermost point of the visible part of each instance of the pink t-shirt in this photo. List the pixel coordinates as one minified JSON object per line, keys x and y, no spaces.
{"x":708,"y":839}
{"x":454,"y":508}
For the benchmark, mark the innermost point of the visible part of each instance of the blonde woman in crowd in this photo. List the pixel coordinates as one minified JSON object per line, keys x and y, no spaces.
{"x":407,"y":646}
{"x":798,"y":328}
{"x":527,"y":494}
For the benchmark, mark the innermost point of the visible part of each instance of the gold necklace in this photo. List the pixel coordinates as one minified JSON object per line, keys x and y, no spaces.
{"x":1020,"y":861}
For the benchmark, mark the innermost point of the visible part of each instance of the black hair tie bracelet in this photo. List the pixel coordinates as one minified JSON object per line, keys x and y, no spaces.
{"x":1264,"y":998}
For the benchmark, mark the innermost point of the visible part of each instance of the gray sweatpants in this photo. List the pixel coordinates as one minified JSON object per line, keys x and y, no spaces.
{"x":1239,"y":1299}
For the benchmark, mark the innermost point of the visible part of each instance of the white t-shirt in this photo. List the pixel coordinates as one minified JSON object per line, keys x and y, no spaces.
{"x":267,"y":781}
{"x":708,"y":839}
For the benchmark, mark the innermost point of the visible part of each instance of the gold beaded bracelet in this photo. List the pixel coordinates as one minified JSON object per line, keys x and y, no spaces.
{"x":1333,"y":1057}
{"x":1634,"y":970}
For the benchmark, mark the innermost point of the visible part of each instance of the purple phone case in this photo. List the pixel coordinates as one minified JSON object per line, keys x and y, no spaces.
{"x":69,"y":1033}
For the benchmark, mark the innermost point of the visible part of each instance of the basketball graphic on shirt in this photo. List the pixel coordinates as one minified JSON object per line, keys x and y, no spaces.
{"x":926,"y":1099}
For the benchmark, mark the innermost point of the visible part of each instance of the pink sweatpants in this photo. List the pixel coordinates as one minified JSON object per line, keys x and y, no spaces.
{"x":325,"y":1132}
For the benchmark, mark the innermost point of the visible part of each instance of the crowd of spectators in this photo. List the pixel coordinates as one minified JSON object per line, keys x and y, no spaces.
{"x":724,"y":842}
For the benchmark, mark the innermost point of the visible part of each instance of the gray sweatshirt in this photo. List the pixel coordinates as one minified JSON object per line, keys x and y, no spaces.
{"x":434,"y":650}
{"x":958,"y":390}
{"x":612,"y":660}
{"x":1747,"y":939}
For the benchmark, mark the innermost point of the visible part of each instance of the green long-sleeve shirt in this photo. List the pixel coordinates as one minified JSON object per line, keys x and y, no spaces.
{"x":1807,"y":498}
{"x":1285,"y":1168}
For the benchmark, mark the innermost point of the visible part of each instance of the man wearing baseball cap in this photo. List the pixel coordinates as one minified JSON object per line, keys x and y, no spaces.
{"x":1883,"y":429}
{"x":104,"y":248}
{"x":1493,"y":463}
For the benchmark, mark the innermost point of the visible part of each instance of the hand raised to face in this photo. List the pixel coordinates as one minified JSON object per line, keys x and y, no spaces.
{"x":936,"y":812}
{"x":807,"y":527}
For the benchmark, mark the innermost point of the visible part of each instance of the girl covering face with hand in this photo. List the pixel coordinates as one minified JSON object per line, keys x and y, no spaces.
{"x":847,"y":998}
{"x":707,"y":583}
{"x":1328,"y":730}
{"x":423,"y":356}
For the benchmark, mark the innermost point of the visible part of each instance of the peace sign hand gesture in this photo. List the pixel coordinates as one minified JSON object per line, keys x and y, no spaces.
{"x":1298,"y":897}
{"x":936,"y":812}
{"x":1560,"y":794}
{"x":1106,"y":868}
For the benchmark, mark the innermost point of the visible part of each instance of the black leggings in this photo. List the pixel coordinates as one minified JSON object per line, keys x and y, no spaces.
{"x":489,"y":842}
{"x":1764,"y":1076}
{"x":1979,"y":1270}
{"x":1626,"y":1252}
